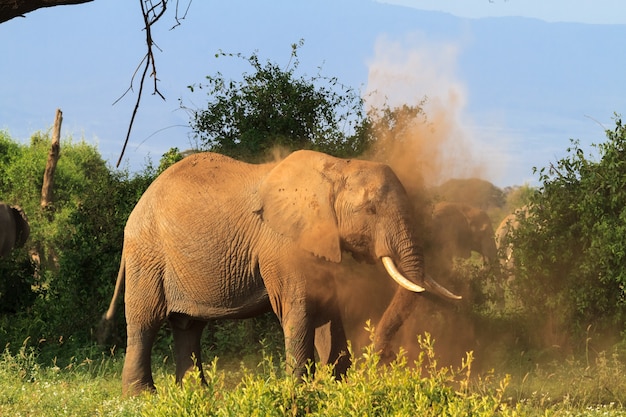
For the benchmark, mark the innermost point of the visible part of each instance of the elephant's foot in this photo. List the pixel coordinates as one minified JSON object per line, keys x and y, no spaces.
{"x":386,"y":357}
{"x":137,"y":372}
{"x":185,"y":368}
{"x":136,"y":387}
{"x":135,"y":379}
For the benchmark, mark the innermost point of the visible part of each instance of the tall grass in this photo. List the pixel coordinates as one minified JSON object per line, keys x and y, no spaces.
{"x":92,"y":387}
{"x":368,"y":390}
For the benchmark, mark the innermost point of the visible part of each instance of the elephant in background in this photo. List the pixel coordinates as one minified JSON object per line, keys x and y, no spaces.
{"x":503,"y":234}
{"x":503,"y":237}
{"x":217,"y":238}
{"x":457,"y":230}
{"x":14,"y":228}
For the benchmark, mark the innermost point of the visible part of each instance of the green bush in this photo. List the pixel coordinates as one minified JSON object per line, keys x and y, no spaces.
{"x":78,"y":239}
{"x":274,"y":107}
{"x":368,"y":390}
{"x":570,"y":252}
{"x":91,"y":385}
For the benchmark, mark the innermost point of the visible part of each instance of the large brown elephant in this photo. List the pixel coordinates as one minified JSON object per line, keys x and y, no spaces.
{"x":216,"y":238}
{"x":14,"y":228}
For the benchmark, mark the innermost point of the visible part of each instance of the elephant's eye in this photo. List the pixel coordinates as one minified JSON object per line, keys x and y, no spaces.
{"x":370,"y":209}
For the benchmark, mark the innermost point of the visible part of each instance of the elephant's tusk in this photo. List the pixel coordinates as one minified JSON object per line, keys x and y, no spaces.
{"x":437,"y":287}
{"x":390,"y":266}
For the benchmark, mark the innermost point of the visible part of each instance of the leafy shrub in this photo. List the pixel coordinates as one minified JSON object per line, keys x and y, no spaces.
{"x":423,"y":389}
{"x":570,"y":251}
{"x":91,"y":385}
{"x":78,"y":240}
{"x":274,"y":107}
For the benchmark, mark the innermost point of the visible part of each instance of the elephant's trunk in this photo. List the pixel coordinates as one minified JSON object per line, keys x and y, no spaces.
{"x":405,"y":299}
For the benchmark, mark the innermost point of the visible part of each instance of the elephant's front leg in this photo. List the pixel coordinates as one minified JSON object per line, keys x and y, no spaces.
{"x":299,"y":340}
{"x":187,"y":334}
{"x":332,"y":346}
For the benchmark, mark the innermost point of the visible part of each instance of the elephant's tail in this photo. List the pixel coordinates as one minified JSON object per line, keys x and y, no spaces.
{"x":106,"y":323}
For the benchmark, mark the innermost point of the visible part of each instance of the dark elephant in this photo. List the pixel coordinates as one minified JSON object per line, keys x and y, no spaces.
{"x":14,"y":228}
{"x":216,"y":238}
{"x":457,"y":230}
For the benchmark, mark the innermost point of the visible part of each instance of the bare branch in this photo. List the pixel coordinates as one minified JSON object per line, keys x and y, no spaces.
{"x":183,"y":17}
{"x":18,"y":8}
{"x":152,"y":12}
{"x":132,"y":79}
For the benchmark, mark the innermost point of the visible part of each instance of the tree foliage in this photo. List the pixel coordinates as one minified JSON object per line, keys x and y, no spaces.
{"x":571,"y":251}
{"x":273,"y":107}
{"x":79,"y":241}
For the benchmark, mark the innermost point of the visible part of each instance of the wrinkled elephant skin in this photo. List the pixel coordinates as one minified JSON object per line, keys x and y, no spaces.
{"x":216,"y":238}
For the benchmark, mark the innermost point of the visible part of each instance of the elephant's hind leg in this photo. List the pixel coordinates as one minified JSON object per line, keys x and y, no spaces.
{"x":187,"y":336}
{"x":137,"y":372}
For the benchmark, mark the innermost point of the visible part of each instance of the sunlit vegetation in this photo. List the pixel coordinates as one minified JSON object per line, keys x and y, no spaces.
{"x":549,"y":329}
{"x":259,"y":387}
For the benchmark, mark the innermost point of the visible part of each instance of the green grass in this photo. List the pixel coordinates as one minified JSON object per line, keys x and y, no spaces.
{"x":257,"y":386}
{"x":82,"y":388}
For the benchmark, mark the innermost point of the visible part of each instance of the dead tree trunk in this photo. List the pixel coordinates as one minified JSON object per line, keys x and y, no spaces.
{"x":51,"y":164}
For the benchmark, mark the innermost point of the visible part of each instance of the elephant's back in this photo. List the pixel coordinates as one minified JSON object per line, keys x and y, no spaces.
{"x":209,"y":173}
{"x":199,"y":188}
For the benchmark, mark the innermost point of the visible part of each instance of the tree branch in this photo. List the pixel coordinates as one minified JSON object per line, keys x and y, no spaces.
{"x":152,"y":12}
{"x":18,"y":8}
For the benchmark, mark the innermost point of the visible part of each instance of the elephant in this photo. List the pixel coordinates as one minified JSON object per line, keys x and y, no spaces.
{"x":504,"y":242}
{"x":457,"y":230}
{"x":14,"y":228}
{"x":503,"y":234}
{"x":213,"y":237}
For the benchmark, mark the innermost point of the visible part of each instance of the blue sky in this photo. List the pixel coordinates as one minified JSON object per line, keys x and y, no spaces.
{"x":516,"y":90}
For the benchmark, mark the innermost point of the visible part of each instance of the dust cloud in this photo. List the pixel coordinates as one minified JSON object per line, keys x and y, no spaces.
{"x":424,"y":149}
{"x":435,"y":144}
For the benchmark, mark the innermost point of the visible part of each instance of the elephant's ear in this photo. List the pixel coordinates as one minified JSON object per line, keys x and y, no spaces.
{"x":297,"y":202}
